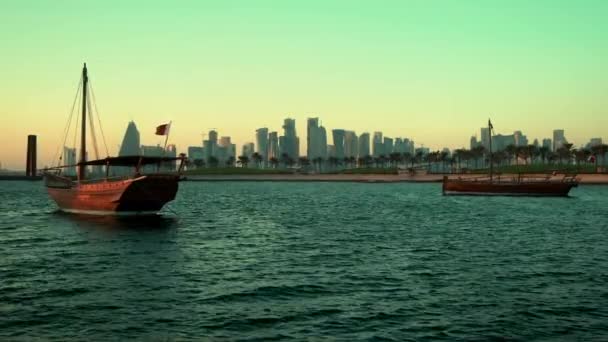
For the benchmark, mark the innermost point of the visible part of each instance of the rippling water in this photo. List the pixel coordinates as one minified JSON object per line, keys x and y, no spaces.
{"x":299,"y":260}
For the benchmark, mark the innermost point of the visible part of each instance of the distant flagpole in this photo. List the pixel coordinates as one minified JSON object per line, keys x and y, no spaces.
{"x":490,"y":127}
{"x":167,"y":137}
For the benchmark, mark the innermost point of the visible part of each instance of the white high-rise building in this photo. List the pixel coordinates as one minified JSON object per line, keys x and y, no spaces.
{"x":316,"y":140}
{"x":261,"y":140}
{"x":289,"y":143}
{"x":378,"y":144}
{"x":248,"y":150}
{"x":273,"y":145}
{"x":69,"y":158}
{"x":351,"y":144}
{"x":559,"y":139}
{"x":338,"y":135}
{"x":364,"y":145}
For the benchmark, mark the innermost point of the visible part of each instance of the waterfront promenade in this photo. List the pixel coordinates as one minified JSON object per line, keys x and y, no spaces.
{"x":367,"y":178}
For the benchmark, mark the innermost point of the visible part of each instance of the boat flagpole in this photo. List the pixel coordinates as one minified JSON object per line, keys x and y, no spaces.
{"x":167,"y":137}
{"x":490,"y":145}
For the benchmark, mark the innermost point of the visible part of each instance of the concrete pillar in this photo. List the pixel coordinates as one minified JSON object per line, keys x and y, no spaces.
{"x":30,"y":163}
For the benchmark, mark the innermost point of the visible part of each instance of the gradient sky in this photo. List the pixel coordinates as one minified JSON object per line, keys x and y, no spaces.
{"x":429,"y":70}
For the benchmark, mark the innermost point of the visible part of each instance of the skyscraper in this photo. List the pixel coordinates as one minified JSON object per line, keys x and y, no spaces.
{"x":547,"y":143}
{"x":261,"y":140}
{"x":338,"y":135}
{"x":226,"y":150}
{"x":289,"y":143}
{"x":248,"y":150}
{"x":316,"y":139}
{"x":130,"y":142}
{"x":520,"y":139}
{"x":351,"y":144}
{"x":388,"y":146}
{"x":69,"y":158}
{"x":594,"y":142}
{"x":558,"y":139}
{"x":196,"y":154}
{"x":322,"y":142}
{"x":171,"y":152}
{"x":151,"y":151}
{"x":378,"y":144}
{"x":364,"y":145}
{"x":273,"y":145}
{"x":473,"y":142}
{"x":485,"y":137}
{"x":500,"y":142}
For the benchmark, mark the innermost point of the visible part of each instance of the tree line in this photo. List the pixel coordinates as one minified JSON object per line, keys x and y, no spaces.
{"x":475,"y":158}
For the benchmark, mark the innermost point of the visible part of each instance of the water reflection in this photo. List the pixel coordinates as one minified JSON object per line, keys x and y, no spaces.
{"x":156,"y":223}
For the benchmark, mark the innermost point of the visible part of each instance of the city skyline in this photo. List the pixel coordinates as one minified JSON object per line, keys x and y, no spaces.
{"x":433,"y":72}
{"x":350,"y":143}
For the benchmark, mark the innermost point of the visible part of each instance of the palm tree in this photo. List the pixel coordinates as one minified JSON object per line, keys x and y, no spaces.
{"x":599,"y":151}
{"x":243,"y":160}
{"x":304,"y":162}
{"x":459,"y":155}
{"x":523,"y":153}
{"x":230,"y":161}
{"x":511,"y":151}
{"x":317,"y":162}
{"x":199,"y":163}
{"x":213,"y":161}
{"x":443,"y":158}
{"x":417,"y":157}
{"x":564,"y":152}
{"x":333,"y":162}
{"x":544,"y":152}
{"x":394,"y":158}
{"x":285,"y":159}
{"x":581,"y":155}
{"x":478,"y":153}
{"x":406,"y":158}
{"x":257,"y":159}
{"x":346,"y":161}
{"x":533,"y":152}
{"x":368,"y":160}
{"x":274,"y":162}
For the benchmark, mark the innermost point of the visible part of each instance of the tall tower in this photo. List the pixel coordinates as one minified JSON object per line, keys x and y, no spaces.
{"x":30,"y":159}
{"x":130,"y":142}
{"x":338,"y":135}
{"x":261,"y":143}
{"x":290,"y":142}
{"x":351,"y":144}
{"x":378,"y":144}
{"x":273,"y":145}
{"x":559,"y":139}
{"x":364,"y":145}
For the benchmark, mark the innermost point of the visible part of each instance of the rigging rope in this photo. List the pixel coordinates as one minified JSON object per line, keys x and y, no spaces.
{"x":76,"y":129}
{"x":66,"y":130}
{"x":98,"y":117}
{"x":92,"y":126}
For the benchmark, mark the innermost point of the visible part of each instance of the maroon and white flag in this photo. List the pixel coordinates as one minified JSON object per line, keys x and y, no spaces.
{"x":163,"y":129}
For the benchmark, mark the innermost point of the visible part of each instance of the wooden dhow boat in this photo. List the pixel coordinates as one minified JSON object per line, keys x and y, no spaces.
{"x":133,"y":194}
{"x":519,"y":185}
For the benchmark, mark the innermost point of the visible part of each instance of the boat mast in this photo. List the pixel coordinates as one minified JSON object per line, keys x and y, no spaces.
{"x":490,"y":142}
{"x":83,"y":129}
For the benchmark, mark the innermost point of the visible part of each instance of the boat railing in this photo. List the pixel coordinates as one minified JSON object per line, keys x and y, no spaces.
{"x":104,"y":179}
{"x":521,"y":178}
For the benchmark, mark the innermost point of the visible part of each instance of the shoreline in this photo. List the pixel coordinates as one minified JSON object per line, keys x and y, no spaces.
{"x":587,"y":179}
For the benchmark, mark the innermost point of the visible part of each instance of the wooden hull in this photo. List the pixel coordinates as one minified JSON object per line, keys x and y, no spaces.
{"x":134,"y":196}
{"x":487,"y":188}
